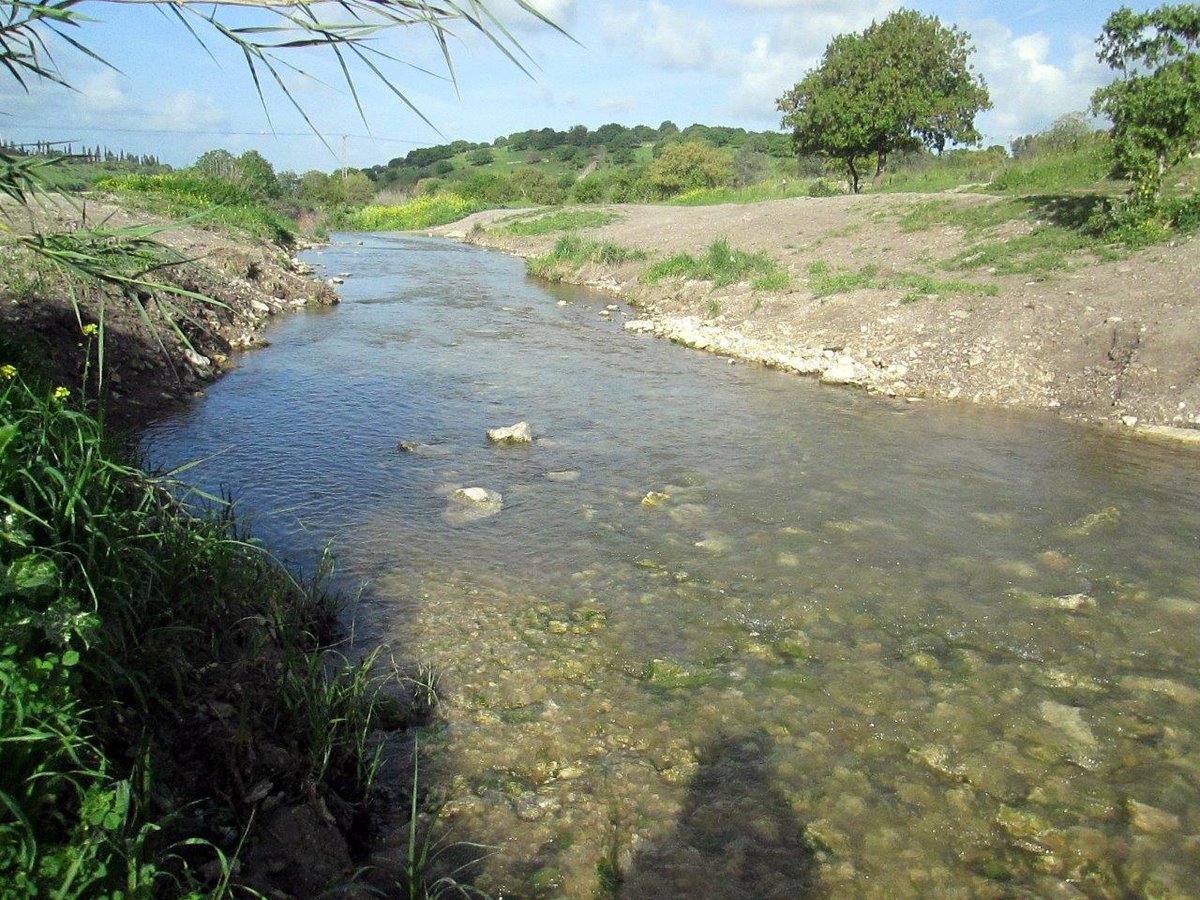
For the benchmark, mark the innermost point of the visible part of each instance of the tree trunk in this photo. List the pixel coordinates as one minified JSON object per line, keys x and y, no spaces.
{"x":854,"y":177}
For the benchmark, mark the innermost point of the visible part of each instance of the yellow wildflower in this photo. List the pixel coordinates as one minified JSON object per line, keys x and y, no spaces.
{"x":61,"y":393}
{"x":91,"y":329}
{"x":8,"y":372}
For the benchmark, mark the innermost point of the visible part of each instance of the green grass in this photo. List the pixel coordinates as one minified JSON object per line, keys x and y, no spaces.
{"x":563,"y":220}
{"x":140,"y":642}
{"x":209,"y":201}
{"x":971,"y":217}
{"x":720,"y":265}
{"x":771,"y":189}
{"x":572,"y":252}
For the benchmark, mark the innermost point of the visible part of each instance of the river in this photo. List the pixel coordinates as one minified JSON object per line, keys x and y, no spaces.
{"x":847,"y":647}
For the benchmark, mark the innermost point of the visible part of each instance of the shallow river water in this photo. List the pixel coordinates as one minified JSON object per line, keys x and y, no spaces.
{"x":859,"y":648}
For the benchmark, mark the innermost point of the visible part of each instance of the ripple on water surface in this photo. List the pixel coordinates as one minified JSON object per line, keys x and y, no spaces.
{"x":847,"y":647}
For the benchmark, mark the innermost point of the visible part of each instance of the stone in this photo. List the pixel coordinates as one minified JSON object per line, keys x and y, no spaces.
{"x":471,"y":504}
{"x":407,"y":446}
{"x":1068,"y":720}
{"x":564,"y":477}
{"x":519,"y":433}
{"x":1180,"y":693}
{"x":850,"y":373}
{"x":639,"y":326}
{"x":655,"y":498}
{"x":478,"y":495}
{"x":1151,"y":819}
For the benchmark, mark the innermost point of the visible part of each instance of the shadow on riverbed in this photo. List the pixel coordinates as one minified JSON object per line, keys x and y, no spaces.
{"x":737,"y":836}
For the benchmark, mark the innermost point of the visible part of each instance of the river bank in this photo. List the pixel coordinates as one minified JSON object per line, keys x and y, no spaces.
{"x":160,"y":347}
{"x":916,"y":297}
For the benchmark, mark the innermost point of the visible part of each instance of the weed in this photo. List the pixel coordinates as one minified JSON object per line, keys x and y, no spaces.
{"x":125,"y":621}
{"x":714,"y":308}
{"x":421,"y":881}
{"x":776,"y":281}
{"x":824,"y":282}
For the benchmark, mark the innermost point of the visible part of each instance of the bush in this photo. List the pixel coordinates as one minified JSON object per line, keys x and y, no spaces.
{"x":687,"y":166}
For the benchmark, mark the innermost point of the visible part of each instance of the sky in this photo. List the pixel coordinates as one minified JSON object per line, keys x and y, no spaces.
{"x":717,"y":62}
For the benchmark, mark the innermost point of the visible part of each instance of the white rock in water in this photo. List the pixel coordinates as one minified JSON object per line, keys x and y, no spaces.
{"x":471,"y":504}
{"x":478,"y":495}
{"x":520,"y":433}
{"x":641,"y":326}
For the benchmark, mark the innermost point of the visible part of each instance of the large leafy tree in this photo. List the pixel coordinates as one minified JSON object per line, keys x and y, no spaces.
{"x":900,"y":84}
{"x":1154,"y":104}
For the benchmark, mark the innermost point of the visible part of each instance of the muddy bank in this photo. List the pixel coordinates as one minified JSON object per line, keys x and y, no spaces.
{"x":1100,"y":341}
{"x":160,"y":348}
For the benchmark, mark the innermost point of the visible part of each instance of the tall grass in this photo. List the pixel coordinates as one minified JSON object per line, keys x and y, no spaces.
{"x":422,"y":212}
{"x":136,"y":638}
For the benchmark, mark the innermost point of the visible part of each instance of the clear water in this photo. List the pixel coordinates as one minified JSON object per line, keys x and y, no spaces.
{"x":863,"y":649}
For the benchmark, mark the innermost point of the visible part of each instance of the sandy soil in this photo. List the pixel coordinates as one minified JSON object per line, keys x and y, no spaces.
{"x":149,"y":367}
{"x":1099,"y":341}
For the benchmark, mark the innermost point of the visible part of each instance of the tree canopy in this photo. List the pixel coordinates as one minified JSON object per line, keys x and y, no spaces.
{"x":900,"y":84}
{"x":1154,"y":104}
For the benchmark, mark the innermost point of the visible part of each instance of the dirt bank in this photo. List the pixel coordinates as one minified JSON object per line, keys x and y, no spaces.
{"x":149,"y":367}
{"x":1098,"y":336}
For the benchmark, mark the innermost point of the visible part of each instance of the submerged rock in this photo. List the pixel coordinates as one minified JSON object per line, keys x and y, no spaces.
{"x":655,"y":498}
{"x":519,"y":433}
{"x":471,"y":504}
{"x":1108,"y":517}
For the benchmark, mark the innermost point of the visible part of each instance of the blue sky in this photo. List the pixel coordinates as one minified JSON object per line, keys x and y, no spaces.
{"x":720,"y":62}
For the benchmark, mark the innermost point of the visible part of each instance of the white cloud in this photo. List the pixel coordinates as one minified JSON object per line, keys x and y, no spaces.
{"x":662,"y":35}
{"x":779,"y":59}
{"x":560,"y":12}
{"x":102,"y":92}
{"x":617,"y":105}
{"x":188,"y":111}
{"x":1028,"y":89}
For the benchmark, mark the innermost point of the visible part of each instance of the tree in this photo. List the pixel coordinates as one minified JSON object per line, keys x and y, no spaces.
{"x":688,"y":166}
{"x":1154,"y":104}
{"x":900,"y":84}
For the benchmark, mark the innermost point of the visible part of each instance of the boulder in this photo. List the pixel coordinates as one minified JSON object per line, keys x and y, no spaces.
{"x":520,"y":433}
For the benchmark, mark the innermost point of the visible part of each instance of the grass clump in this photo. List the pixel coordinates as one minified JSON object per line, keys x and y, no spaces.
{"x":422,"y":212}
{"x":721,"y":265}
{"x":563,"y":220}
{"x":211,"y":202}
{"x":572,"y":252}
{"x":146,"y":656}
